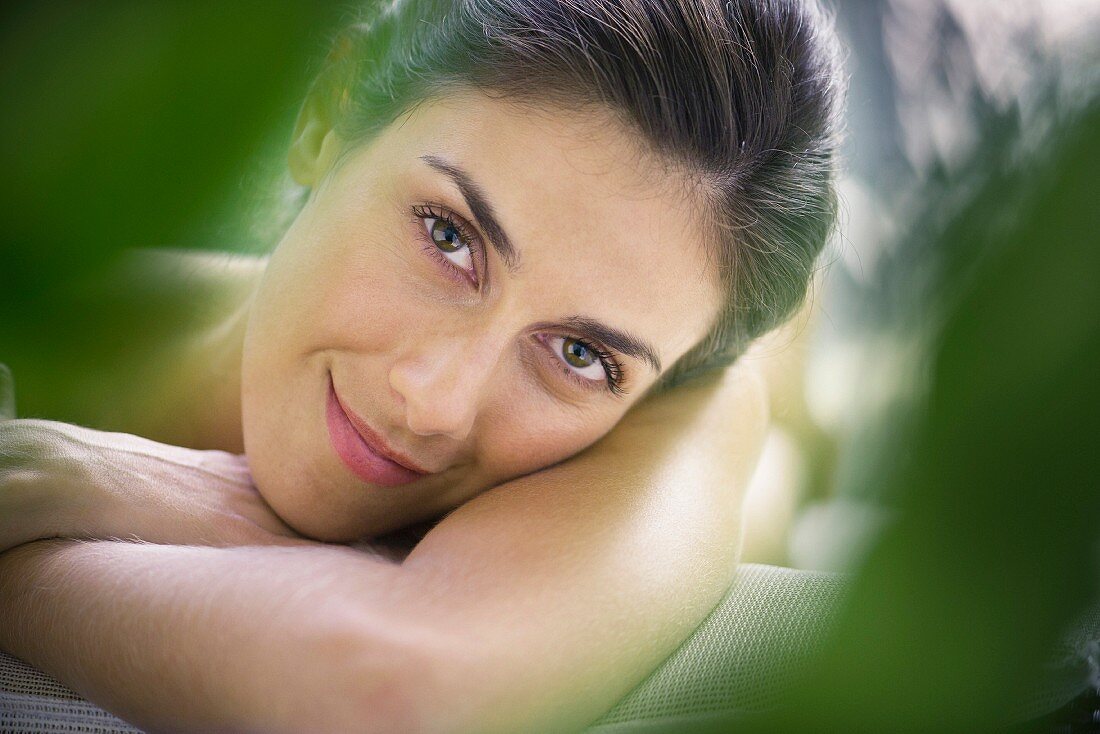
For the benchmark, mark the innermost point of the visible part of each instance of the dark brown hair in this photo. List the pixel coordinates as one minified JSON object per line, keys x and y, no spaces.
{"x":741,"y":94}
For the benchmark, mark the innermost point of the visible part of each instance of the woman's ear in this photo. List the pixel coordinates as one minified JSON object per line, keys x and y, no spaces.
{"x":313,"y":146}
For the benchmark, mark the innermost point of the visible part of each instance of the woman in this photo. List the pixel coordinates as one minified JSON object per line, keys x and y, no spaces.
{"x":523,"y":218}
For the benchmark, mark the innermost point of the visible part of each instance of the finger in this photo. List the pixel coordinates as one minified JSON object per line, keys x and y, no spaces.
{"x":7,"y":394}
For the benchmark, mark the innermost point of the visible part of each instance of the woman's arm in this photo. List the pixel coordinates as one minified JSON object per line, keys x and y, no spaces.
{"x":536,"y":605}
{"x":58,"y":480}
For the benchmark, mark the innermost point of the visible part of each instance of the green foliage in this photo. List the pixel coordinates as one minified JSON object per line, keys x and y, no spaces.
{"x":127,"y":123}
{"x":131,"y":124}
{"x":986,"y":465}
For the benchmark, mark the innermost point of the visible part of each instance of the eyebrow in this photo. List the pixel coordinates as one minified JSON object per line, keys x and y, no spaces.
{"x":480,"y":206}
{"x":617,"y":339}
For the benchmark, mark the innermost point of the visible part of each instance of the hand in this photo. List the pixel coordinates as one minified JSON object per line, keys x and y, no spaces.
{"x":61,"y":480}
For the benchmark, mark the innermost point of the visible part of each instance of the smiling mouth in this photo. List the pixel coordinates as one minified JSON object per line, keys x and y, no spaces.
{"x":364,"y":451}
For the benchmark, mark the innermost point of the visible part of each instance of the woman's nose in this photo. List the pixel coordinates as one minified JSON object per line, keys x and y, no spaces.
{"x":443,"y":384}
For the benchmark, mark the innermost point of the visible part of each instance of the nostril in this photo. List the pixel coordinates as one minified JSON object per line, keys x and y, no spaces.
{"x":439,"y":416}
{"x":438,"y":390}
{"x":398,"y":398}
{"x":402,"y":383}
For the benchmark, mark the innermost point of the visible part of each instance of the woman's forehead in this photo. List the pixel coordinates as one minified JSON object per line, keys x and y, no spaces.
{"x":567,"y":152}
{"x":597,"y":224}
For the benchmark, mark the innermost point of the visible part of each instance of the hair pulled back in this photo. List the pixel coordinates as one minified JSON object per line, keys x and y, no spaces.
{"x":743,"y":95}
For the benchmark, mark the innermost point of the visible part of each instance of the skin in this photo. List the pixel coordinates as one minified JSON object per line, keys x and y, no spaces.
{"x":537,"y":603}
{"x":468,"y":381}
{"x":533,"y":607}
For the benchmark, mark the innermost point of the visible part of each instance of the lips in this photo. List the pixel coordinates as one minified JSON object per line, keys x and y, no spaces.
{"x":362,"y":450}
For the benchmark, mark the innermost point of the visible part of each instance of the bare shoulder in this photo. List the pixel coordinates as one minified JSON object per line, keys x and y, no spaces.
{"x":124,"y":363}
{"x":201,"y":282}
{"x":206,"y":295}
{"x":192,"y":264}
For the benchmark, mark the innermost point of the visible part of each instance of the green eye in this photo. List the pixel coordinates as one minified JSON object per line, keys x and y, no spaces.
{"x":446,"y":236}
{"x":577,"y":354}
{"x":447,"y":239}
{"x":584,"y":363}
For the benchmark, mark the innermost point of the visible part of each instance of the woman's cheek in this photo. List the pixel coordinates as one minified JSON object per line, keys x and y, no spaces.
{"x":541,"y":437}
{"x":359,"y":308}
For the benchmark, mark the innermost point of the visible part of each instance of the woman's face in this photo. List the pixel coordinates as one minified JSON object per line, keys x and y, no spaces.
{"x":480,"y":291}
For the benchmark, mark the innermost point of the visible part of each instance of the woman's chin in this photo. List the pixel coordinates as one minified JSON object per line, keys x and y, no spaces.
{"x":295,"y":499}
{"x":327,"y":533}
{"x":316,"y":520}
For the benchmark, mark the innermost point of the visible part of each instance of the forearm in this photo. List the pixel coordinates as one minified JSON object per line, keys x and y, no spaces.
{"x":519,"y":609}
{"x":59,"y":480}
{"x":192,"y":638}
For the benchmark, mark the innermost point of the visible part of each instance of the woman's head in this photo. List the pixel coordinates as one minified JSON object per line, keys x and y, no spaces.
{"x":522,"y":217}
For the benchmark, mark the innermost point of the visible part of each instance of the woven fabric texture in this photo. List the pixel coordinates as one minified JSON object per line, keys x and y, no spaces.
{"x":31,"y":701}
{"x":23,"y":712}
{"x":744,"y":654}
{"x":16,"y":677}
{"x":767,"y":626}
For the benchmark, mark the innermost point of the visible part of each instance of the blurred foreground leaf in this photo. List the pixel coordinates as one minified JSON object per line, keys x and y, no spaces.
{"x":988,"y":465}
{"x":130,"y":124}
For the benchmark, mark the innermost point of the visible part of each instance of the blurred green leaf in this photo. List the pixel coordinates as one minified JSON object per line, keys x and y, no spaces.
{"x":132,"y":123}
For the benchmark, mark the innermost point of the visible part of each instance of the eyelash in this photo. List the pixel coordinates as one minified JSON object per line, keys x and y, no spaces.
{"x":465,"y":231}
{"x":611,"y":366}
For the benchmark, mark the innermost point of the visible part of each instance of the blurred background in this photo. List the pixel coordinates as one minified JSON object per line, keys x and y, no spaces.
{"x":935,"y":403}
{"x":936,"y":89}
